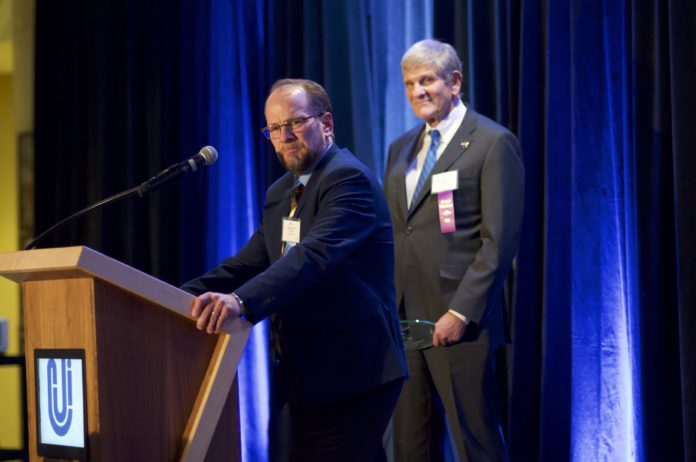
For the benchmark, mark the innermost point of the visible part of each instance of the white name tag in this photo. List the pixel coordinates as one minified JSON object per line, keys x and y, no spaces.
{"x":446,"y":181}
{"x":291,"y":230}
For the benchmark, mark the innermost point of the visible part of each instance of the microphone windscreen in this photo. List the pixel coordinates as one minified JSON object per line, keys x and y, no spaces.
{"x":209,"y":154}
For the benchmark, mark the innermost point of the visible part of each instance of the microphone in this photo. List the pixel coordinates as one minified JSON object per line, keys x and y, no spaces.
{"x":205,"y":156}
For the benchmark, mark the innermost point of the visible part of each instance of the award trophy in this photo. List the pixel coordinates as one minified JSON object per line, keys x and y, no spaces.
{"x":417,"y":334}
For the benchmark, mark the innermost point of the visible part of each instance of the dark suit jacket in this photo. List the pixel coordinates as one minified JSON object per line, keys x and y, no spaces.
{"x":333,"y":292}
{"x":464,"y":270}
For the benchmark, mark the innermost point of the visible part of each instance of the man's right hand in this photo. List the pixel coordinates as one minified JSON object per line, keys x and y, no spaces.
{"x":211,"y":309}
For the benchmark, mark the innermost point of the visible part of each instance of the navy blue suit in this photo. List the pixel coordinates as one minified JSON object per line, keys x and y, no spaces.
{"x":333,"y":292}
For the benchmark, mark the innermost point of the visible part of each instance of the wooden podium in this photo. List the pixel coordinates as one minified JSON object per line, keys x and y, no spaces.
{"x":156,"y":387}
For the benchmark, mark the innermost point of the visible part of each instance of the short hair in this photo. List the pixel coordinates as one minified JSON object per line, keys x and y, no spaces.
{"x":318,"y":98}
{"x":432,"y":52}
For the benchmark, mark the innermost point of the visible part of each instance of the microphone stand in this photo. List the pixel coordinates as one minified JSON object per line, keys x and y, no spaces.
{"x":75,"y":215}
{"x":207,"y":156}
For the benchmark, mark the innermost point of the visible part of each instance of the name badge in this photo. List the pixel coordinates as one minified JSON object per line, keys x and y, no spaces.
{"x":291,"y":231}
{"x":446,"y":181}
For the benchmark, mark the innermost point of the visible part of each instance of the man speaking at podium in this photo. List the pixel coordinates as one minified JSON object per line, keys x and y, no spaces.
{"x":321,"y":265}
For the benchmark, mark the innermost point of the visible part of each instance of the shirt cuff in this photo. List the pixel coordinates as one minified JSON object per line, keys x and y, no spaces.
{"x":460,"y":316}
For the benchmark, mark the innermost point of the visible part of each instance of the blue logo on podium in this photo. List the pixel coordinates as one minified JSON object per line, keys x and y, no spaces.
{"x":60,"y":405}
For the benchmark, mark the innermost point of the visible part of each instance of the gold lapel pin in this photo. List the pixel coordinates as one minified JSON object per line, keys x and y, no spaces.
{"x":465,"y":144}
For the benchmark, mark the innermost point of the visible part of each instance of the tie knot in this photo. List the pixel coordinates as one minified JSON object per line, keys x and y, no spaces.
{"x":434,"y":137}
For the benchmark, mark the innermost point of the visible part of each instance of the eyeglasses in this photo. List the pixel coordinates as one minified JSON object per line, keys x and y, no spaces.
{"x":295,"y":126}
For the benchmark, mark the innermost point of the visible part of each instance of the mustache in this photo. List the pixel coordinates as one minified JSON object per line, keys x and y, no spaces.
{"x":293,"y":145}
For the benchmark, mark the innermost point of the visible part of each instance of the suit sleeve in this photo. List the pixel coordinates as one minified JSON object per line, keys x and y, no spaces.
{"x":345,"y":217}
{"x":502,"y":203}
{"x":234,"y":271}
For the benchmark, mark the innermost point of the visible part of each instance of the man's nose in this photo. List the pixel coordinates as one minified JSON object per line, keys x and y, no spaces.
{"x":418,"y":90}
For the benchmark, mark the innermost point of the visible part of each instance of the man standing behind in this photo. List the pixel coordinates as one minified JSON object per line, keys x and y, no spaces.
{"x":455,"y":187}
{"x":321,"y":262}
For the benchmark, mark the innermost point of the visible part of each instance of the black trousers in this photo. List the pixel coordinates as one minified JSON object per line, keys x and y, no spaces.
{"x":346,"y":430}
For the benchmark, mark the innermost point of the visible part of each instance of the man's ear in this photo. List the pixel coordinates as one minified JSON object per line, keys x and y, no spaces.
{"x":327,"y":121}
{"x":456,"y":82}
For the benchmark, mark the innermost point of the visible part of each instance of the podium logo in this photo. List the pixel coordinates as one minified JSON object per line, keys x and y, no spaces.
{"x":60,"y":395}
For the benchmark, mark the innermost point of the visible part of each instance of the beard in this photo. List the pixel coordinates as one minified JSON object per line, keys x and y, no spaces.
{"x":297,"y":162}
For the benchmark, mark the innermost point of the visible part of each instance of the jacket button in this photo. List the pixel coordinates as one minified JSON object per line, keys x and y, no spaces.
{"x":408,"y":230}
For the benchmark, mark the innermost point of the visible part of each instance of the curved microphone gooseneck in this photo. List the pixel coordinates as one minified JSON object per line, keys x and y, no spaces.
{"x":205,"y":156}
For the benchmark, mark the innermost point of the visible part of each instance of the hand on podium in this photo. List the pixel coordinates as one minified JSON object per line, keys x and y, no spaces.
{"x":211,"y":309}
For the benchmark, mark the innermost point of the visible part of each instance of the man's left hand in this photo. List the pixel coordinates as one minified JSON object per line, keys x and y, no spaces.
{"x":449,"y":329}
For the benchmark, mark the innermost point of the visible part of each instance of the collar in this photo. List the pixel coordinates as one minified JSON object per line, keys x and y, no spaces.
{"x":449,"y":125}
{"x":304,"y":178}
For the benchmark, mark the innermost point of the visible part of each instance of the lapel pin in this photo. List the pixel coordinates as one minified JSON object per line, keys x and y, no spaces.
{"x":465,"y":144}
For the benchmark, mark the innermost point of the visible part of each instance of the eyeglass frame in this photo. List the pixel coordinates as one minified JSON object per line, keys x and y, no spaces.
{"x":298,"y":122}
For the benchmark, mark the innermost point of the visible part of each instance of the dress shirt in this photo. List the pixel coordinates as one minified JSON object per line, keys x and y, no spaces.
{"x":448,"y":128}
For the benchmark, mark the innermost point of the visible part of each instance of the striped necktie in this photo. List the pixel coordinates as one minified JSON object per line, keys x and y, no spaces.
{"x":430,"y":159}
{"x":296,"y":193}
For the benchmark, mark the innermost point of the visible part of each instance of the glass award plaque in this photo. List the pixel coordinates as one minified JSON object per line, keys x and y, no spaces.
{"x":417,"y":334}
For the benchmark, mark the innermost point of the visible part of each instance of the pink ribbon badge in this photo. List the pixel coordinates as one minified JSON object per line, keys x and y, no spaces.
{"x":445,"y":205}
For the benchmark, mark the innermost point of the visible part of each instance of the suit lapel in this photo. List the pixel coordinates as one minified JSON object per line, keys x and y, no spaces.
{"x":459,"y":144}
{"x":454,"y":150}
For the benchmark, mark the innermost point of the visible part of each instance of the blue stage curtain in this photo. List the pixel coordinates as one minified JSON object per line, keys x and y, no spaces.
{"x":353,"y":48}
{"x":233,"y":104}
{"x":605,"y":404}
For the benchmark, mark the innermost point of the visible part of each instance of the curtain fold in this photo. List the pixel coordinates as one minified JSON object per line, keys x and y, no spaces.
{"x":232,"y":116}
{"x":603,"y":409}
